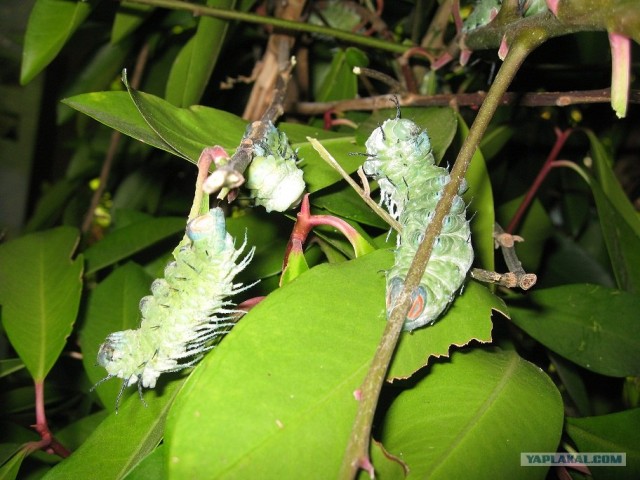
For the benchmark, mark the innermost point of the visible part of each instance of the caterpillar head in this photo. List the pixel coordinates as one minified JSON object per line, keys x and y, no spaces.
{"x":116,"y":355}
{"x":275,"y":182}
{"x":397,"y":139}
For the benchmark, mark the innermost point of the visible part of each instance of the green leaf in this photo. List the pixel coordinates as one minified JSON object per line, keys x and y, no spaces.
{"x":51,"y":24}
{"x":182,"y":131}
{"x":192,"y":67}
{"x":615,"y":433}
{"x":340,"y":82}
{"x":9,"y":469}
{"x":610,"y":185}
{"x":283,"y":380}
{"x":152,"y":467}
{"x":593,"y":326}
{"x":9,"y":366}
{"x":623,"y":242}
{"x":112,"y":306}
{"x":126,"y":241}
{"x":468,"y":318}
{"x":348,"y":204}
{"x":317,"y":173}
{"x":619,"y":220}
{"x":472,"y":416}
{"x":188,"y":130}
{"x":122,"y":440}
{"x":40,"y":291}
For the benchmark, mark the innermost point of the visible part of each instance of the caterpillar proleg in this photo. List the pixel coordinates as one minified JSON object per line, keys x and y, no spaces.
{"x":188,"y":311}
{"x":401,"y":160}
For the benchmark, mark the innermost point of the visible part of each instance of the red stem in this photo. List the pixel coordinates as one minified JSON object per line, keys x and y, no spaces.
{"x":561,"y":138}
{"x":48,"y":443}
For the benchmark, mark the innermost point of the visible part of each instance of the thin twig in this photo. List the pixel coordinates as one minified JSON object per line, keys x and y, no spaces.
{"x":114,"y":143}
{"x":529,"y":99}
{"x":357,"y":452}
{"x":230,"y":175}
{"x":327,"y":157}
{"x":349,"y":37}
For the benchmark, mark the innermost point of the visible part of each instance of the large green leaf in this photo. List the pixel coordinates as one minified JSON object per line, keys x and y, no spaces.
{"x":193,"y":66}
{"x":126,"y":241}
{"x":619,"y":220}
{"x":593,"y":326}
{"x":123,"y":439}
{"x":623,"y":242}
{"x":40,"y":289}
{"x":276,"y":396}
{"x":468,"y":318}
{"x":51,"y":24}
{"x":614,"y":433}
{"x":472,"y":416}
{"x":112,"y":306}
{"x":182,"y":131}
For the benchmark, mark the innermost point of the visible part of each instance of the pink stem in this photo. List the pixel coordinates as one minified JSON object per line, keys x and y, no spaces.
{"x":561,"y":138}
{"x":48,"y":443}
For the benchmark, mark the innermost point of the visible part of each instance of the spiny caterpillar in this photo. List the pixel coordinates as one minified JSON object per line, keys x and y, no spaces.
{"x":188,"y":311}
{"x":273,"y":177}
{"x":401,"y":160}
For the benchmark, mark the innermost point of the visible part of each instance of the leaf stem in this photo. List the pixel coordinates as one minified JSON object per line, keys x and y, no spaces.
{"x":343,"y":35}
{"x":357,"y":453}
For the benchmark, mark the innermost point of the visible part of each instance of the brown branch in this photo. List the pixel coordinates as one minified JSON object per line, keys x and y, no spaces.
{"x":516,"y":276}
{"x":529,"y":99}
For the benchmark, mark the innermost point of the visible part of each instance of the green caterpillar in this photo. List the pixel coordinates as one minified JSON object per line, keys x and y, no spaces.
{"x":273,"y":178}
{"x":401,"y":160}
{"x":188,"y":311}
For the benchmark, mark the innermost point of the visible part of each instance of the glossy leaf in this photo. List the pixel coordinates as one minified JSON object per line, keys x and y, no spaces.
{"x":467,"y":319}
{"x":182,"y":131}
{"x":192,"y":67}
{"x":126,"y":241}
{"x":122,"y":440}
{"x":51,"y":25}
{"x":253,"y":395}
{"x":623,"y":242}
{"x":152,"y":467}
{"x":112,"y":306}
{"x":348,"y":204}
{"x":615,"y":433}
{"x":188,"y":130}
{"x":40,"y":289}
{"x":473,"y":415}
{"x":590,"y":325}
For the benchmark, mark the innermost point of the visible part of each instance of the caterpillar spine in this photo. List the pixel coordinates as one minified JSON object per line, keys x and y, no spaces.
{"x":188,"y":311}
{"x":401,"y":160}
